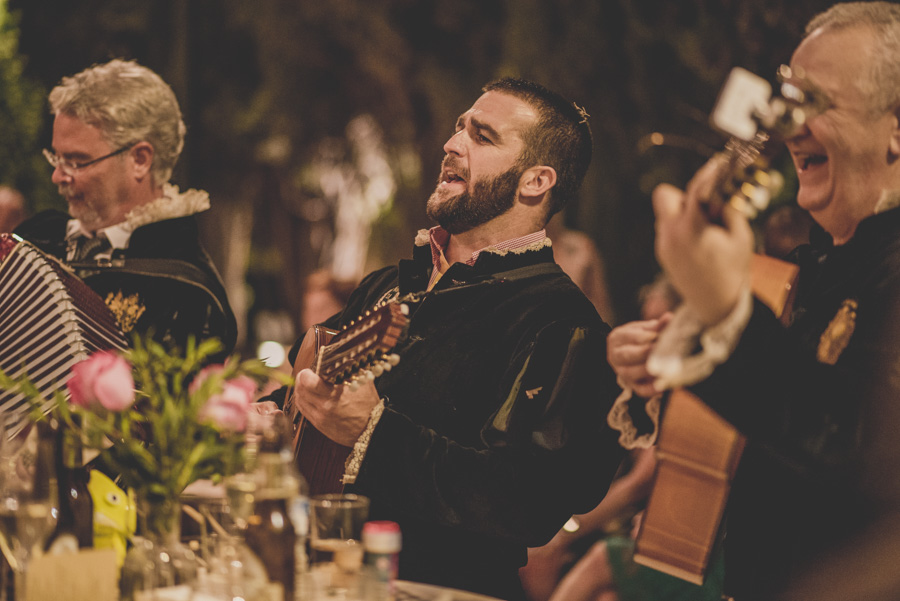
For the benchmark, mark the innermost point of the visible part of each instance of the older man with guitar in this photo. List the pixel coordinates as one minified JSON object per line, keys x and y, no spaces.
{"x":814,"y":506}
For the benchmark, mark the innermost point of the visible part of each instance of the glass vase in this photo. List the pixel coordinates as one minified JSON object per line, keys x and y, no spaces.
{"x":157,"y":558}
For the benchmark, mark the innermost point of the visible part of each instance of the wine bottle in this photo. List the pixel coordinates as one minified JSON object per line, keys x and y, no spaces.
{"x":273,"y":532}
{"x":76,"y":508}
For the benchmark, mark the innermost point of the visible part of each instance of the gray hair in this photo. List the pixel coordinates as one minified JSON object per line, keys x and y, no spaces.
{"x":881,"y":82}
{"x":129,"y":103}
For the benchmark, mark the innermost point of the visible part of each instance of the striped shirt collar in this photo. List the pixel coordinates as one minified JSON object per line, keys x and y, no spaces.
{"x":438,"y":238}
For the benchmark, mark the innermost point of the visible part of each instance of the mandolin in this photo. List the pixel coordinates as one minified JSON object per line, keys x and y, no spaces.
{"x":697,"y":451}
{"x":362,"y":350}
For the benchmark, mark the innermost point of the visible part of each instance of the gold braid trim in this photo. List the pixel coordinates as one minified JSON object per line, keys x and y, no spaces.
{"x":354,"y":461}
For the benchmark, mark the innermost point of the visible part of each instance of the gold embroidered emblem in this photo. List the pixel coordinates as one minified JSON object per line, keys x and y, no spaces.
{"x":837,"y":335}
{"x":126,"y":309}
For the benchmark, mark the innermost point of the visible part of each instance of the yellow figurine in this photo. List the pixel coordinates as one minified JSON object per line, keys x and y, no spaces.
{"x":115,"y":515}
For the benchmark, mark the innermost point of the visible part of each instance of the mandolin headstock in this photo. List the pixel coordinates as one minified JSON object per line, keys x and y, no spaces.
{"x":362,"y":349}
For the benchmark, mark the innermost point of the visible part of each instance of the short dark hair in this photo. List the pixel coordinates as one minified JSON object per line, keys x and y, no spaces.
{"x":561,"y":138}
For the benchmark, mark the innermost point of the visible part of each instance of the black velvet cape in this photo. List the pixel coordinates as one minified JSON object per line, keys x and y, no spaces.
{"x":494,"y":431}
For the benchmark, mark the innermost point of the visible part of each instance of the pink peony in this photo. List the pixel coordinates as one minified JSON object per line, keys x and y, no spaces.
{"x":202,"y":375}
{"x":228,"y":410}
{"x":103,"y":378}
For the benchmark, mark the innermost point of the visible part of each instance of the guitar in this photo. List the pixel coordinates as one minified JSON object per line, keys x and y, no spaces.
{"x":697,"y":451}
{"x":359,"y":351}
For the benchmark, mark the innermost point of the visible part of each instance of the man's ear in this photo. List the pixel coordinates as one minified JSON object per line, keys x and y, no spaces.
{"x":142,"y":157}
{"x":894,"y":144}
{"x":536,"y":182}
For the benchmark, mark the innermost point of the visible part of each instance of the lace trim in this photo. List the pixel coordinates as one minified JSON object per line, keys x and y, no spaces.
{"x":671,"y":360}
{"x":354,"y":461}
{"x":620,"y":419}
{"x":520,"y":250}
{"x":422,"y":238}
{"x":170,"y":205}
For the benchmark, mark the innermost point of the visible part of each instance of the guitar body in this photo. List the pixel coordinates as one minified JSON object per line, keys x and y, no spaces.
{"x":338,"y":357}
{"x":774,"y":282}
{"x":318,"y":458}
{"x":697,"y":455}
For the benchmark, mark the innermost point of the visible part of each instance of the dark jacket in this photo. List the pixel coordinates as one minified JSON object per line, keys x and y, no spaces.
{"x":494,"y":431}
{"x":823,"y":459}
{"x":167,"y":269}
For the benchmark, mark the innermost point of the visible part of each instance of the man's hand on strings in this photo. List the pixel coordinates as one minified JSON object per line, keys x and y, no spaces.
{"x":338,"y":412}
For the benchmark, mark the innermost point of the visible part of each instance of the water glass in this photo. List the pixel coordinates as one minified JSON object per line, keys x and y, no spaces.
{"x":336,"y":550}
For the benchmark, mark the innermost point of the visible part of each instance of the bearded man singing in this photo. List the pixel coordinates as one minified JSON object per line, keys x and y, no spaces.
{"x":491,"y":431}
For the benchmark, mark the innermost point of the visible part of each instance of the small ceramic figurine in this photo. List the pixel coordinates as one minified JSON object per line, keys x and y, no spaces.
{"x":115,"y":515}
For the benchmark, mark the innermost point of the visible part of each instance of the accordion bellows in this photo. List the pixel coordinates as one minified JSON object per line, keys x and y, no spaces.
{"x":49,"y":321}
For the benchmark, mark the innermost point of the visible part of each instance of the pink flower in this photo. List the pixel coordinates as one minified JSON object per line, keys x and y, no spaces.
{"x":103,"y":378}
{"x":202,"y":375}
{"x":228,"y":409}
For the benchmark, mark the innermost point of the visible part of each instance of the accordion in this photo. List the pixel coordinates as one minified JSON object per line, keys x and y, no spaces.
{"x":49,"y":321}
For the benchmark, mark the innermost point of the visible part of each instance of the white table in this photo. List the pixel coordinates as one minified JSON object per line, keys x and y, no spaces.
{"x":415,"y":591}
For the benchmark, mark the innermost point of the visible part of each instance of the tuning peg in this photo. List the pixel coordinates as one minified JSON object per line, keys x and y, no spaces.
{"x":393,"y":359}
{"x":368,"y":375}
{"x":377,"y":369}
{"x":771,"y":179}
{"x":352,"y":385}
{"x":740,"y":203}
{"x":758,"y":196}
{"x":404,"y":308}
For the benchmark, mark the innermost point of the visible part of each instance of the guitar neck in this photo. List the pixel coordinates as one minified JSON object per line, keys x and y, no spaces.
{"x":340,"y":357}
{"x":744,"y":180}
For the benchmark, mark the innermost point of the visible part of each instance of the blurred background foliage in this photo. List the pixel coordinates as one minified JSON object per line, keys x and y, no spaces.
{"x":294,"y":106}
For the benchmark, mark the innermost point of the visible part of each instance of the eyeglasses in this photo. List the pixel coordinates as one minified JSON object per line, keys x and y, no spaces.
{"x":796,"y":88}
{"x":69,"y":168}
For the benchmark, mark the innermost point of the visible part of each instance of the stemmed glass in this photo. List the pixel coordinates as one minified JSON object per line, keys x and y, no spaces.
{"x":234,"y":571}
{"x":27,"y":496}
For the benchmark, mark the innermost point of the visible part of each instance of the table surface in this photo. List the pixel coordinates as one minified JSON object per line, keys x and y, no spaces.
{"x":415,"y":591}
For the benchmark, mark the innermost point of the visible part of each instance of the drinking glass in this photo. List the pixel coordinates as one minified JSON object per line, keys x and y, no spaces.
{"x":336,"y":550}
{"x":27,"y":497}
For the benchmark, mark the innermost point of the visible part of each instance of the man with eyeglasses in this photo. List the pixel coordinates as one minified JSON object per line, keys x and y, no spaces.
{"x":814,"y":511}
{"x":130,"y":234}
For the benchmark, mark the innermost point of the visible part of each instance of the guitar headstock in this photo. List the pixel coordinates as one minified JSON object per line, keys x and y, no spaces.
{"x":749,"y":111}
{"x":361,"y":350}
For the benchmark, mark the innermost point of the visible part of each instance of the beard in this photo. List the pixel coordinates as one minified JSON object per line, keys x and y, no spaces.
{"x":487,"y":200}
{"x":80,"y":209}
